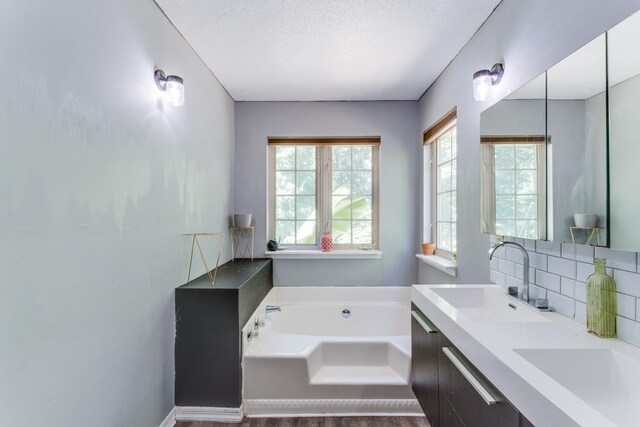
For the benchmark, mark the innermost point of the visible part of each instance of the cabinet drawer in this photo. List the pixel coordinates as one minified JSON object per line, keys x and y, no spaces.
{"x":424,"y":365}
{"x":472,"y":397}
{"x":448,"y":417}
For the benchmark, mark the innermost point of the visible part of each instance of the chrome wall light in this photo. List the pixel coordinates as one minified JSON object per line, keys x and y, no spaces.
{"x":484,"y":79}
{"x":173,"y":86}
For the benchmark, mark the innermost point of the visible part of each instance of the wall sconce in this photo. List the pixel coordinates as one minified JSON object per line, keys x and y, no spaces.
{"x":173,"y":86}
{"x":484,"y":79}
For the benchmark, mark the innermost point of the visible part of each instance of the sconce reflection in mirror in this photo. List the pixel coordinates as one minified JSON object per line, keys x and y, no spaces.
{"x":483,"y":80}
{"x":173,"y":86}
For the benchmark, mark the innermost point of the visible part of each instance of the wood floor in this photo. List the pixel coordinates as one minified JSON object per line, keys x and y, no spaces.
{"x":317,"y":422}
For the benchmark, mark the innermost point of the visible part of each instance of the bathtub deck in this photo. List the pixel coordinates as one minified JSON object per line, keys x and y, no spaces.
{"x":317,"y":422}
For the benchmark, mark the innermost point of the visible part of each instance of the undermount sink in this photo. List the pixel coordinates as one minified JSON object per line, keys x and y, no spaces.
{"x":603,"y":378}
{"x":488,"y":304}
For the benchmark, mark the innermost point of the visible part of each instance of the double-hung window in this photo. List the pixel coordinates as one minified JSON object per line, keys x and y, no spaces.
{"x":441,"y":194}
{"x":324,"y":185}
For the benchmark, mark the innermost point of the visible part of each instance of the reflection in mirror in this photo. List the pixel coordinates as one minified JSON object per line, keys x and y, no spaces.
{"x":624,"y":132}
{"x":577,"y":146}
{"x":513,"y":161}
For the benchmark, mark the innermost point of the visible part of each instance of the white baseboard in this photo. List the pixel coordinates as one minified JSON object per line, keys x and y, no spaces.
{"x":331,"y":407}
{"x":170,"y":420}
{"x":206,"y":413}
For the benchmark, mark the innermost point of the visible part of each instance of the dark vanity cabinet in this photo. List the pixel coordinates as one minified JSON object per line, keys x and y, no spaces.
{"x":450,"y":390}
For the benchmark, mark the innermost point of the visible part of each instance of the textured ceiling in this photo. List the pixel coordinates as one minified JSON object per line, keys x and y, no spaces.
{"x":321,"y":50}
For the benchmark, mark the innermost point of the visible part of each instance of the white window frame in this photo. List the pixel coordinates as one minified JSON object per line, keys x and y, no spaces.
{"x":324,"y":190}
{"x":430,"y":182}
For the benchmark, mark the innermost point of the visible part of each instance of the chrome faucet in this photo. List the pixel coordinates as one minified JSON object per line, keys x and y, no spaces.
{"x":525,"y":266}
{"x":272,"y":308}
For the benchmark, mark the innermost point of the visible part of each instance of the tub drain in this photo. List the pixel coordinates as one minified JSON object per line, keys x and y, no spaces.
{"x":346,"y":313}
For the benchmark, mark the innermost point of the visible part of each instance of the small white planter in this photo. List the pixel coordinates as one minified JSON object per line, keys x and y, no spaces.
{"x":242,"y":220}
{"x":585,"y":220}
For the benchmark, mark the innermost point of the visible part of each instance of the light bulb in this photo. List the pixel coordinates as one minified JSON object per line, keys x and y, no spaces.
{"x":175,"y":91}
{"x":482,"y":85}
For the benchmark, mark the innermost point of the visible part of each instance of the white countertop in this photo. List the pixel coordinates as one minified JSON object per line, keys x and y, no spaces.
{"x":497,"y":348}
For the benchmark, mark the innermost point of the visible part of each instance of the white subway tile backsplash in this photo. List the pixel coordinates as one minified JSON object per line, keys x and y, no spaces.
{"x":506,"y":267}
{"x":562,"y":267}
{"x":584,"y":253}
{"x":549,"y":248}
{"x":619,"y":259}
{"x":538,"y":261}
{"x":512,"y":281}
{"x":493,"y":263}
{"x":548,"y":280}
{"x":530,"y":245}
{"x":626,"y":306}
{"x":569,"y":251}
{"x":532,"y":274}
{"x":583,"y":271}
{"x":515,"y":255}
{"x":628,"y":330}
{"x":567,"y":287}
{"x":627,"y":282}
{"x":581,"y":312}
{"x":580,"y":290}
{"x":497,"y":277}
{"x":537,"y":292}
{"x":562,"y":304}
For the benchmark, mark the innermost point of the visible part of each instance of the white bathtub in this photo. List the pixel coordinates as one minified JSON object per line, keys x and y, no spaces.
{"x":308,"y":359}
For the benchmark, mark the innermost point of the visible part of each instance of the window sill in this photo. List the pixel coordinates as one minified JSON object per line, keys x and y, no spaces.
{"x":443,"y":264}
{"x":318,"y":254}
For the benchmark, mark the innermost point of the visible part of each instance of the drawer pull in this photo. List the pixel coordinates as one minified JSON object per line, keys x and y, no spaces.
{"x":423,"y":323}
{"x":486,"y":396}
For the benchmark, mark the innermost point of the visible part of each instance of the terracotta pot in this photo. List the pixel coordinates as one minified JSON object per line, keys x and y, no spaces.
{"x":428,"y":248}
{"x":326,"y":242}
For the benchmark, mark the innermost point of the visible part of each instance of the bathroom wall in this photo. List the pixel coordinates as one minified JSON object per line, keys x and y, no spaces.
{"x":559,"y":272}
{"x":98,"y":180}
{"x":528,"y":37}
{"x":396,"y":123}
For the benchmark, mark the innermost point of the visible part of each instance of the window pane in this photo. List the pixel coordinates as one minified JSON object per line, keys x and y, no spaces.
{"x":341,"y":207}
{"x":505,"y":182}
{"x":454,"y":212}
{"x":305,"y":232}
{"x":341,"y":231}
{"x":444,"y":178}
{"x":341,"y":158}
{"x":306,"y":207}
{"x":362,"y":232}
{"x":454,"y":239}
{"x":285,"y":157}
{"x":505,"y":227}
{"x":444,"y":236}
{"x":306,"y":182}
{"x":362,"y":207}
{"x":454,"y":142}
{"x":361,"y":184}
{"x":444,"y":148}
{"x":526,"y":207}
{"x":341,"y":182}
{"x":504,"y":156}
{"x":285,"y":182}
{"x":454,"y":173}
{"x":526,"y":182}
{"x":285,"y":207}
{"x":527,"y":229}
{"x":444,"y":207}
{"x":286,"y":231}
{"x":362,"y":158}
{"x":505,"y":207}
{"x":306,"y":158}
{"x":526,"y":157}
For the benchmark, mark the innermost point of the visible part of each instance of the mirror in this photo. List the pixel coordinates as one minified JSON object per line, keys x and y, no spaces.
{"x":513,"y":158}
{"x":624,"y":132}
{"x":577,"y":146}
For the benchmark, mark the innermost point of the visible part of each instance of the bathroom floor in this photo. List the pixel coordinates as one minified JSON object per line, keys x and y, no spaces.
{"x":317,"y":422}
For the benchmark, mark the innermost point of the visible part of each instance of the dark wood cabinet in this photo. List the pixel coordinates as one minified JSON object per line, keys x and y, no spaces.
{"x":424,"y":369}
{"x":450,"y":390}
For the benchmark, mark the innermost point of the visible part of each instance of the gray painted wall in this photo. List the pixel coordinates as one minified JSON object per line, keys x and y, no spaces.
{"x":97,"y":182}
{"x":528,"y":37}
{"x":397,"y":124}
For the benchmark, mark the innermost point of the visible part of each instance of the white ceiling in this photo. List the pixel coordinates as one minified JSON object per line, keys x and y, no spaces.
{"x":322,"y":50}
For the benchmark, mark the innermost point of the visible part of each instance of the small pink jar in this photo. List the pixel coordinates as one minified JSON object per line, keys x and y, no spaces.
{"x":326,"y":242}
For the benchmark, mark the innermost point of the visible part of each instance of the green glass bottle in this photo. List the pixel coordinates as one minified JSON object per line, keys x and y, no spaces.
{"x":601,"y":302}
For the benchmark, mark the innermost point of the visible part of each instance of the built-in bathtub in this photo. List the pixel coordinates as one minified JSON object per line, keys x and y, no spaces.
{"x":313,"y":357}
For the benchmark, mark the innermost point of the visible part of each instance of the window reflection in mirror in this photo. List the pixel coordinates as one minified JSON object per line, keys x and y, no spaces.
{"x":624,"y":132}
{"x":576,"y":128}
{"x":513,"y":164}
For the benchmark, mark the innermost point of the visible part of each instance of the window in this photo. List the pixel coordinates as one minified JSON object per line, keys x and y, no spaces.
{"x":513,"y":186}
{"x":319,"y":185}
{"x":441,"y":170}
